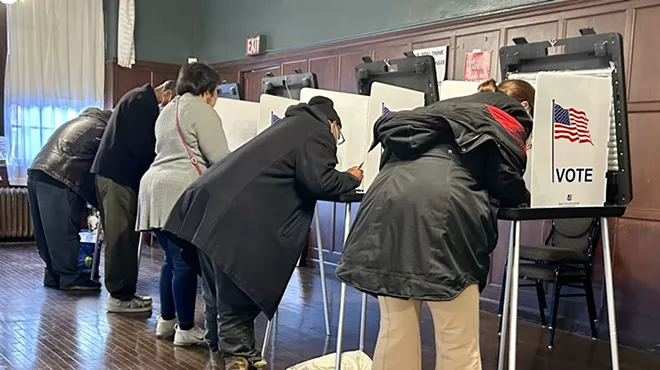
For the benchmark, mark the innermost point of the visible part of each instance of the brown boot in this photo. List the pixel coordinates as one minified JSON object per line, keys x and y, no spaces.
{"x":259,"y":365}
{"x":236,"y":363}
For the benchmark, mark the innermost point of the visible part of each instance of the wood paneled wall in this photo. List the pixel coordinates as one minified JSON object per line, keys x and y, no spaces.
{"x":634,"y":237}
{"x":119,"y":80}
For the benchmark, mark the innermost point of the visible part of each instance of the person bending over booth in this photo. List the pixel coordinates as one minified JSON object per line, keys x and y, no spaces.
{"x":249,"y":216}
{"x":59,"y":186}
{"x":187,"y":129}
{"x":428,"y":223}
{"x":125,"y":154}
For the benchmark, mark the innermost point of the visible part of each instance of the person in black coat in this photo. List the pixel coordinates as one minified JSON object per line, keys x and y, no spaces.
{"x":427,"y":224}
{"x":125,"y":154}
{"x":59,"y":187}
{"x":249,"y":216}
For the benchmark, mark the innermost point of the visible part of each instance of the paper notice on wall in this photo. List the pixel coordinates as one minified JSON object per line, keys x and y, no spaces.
{"x":352,"y":110}
{"x":271,"y":110}
{"x":439,"y":53}
{"x":385,"y":99}
{"x":571,"y":132}
{"x":477,"y":66}
{"x":239,"y":120}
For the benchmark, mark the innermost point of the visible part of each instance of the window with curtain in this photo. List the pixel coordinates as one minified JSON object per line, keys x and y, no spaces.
{"x":55,"y":67}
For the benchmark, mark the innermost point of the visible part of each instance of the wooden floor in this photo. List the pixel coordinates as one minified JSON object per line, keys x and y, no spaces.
{"x":46,"y":329}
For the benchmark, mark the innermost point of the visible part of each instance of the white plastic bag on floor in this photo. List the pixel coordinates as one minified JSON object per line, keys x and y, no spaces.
{"x":356,"y":360}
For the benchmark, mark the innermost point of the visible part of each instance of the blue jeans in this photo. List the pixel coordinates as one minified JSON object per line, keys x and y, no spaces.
{"x":178,"y":285}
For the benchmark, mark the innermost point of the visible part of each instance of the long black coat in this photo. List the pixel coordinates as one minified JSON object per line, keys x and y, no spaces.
{"x":427,"y":224}
{"x":251,"y":212}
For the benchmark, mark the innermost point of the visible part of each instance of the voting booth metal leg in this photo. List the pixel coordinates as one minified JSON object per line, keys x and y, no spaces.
{"x":267,"y":334}
{"x":513,"y":312}
{"x":342,"y":296}
{"x":324,"y":289}
{"x":609,"y":289}
{"x":363,"y":320}
{"x":139,"y":251}
{"x":97,"y":250}
{"x":506,"y":288}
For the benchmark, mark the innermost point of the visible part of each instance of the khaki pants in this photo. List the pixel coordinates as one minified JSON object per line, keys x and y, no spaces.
{"x":456,"y":325}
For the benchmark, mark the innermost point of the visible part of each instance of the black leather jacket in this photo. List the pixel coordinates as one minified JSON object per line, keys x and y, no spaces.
{"x":70,"y":151}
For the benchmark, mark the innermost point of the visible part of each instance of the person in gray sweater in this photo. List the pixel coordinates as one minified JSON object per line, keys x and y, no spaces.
{"x":189,"y":139}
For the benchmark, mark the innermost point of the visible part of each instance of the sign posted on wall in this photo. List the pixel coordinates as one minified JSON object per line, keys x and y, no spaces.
{"x":439,"y":53}
{"x":477,"y":65}
{"x":571,"y":132}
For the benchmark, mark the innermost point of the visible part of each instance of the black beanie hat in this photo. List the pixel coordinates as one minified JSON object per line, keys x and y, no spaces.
{"x":326,"y":106}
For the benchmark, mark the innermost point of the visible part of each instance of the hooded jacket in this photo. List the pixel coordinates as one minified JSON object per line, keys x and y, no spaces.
{"x":427,"y":224}
{"x":251,"y":212}
{"x":69,"y":152}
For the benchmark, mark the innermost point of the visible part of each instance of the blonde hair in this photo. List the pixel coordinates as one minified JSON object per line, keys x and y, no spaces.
{"x":517,"y":89}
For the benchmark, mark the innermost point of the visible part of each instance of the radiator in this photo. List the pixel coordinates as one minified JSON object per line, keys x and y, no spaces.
{"x":15,"y":221}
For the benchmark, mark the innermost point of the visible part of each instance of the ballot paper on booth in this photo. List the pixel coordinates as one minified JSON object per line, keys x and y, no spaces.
{"x":352,"y":110}
{"x":239,"y":120}
{"x":384,"y":100}
{"x":457,"y":89}
{"x":571,"y":132}
{"x":271,"y":110}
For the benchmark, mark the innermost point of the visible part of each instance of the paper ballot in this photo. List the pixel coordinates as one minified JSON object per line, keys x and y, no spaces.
{"x":456,"y":89}
{"x":271,"y":110}
{"x":571,"y":132}
{"x":239,"y":120}
{"x":384,"y":99}
{"x":352,"y":110}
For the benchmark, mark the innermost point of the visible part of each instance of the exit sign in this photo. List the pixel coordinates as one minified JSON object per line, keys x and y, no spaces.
{"x":253,"y":45}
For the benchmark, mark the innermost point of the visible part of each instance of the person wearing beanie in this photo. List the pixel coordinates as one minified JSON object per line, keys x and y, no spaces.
{"x":247,"y":219}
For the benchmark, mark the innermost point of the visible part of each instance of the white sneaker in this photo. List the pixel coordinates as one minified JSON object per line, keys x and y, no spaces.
{"x":192,"y":337}
{"x":165,"y":328}
{"x":135,"y":305}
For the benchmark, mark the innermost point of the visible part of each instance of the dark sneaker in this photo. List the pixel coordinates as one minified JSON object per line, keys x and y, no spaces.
{"x":51,"y":281}
{"x":85,"y":286}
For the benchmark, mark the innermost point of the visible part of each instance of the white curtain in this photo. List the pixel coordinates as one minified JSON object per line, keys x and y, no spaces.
{"x":55,"y":69}
{"x":125,"y":40}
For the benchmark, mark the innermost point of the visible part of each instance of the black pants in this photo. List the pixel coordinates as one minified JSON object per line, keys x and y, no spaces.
{"x":229,"y":314}
{"x":118,"y":206}
{"x":57,"y":218}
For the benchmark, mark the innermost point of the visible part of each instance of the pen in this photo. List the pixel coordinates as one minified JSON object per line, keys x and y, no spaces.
{"x":360,"y":166}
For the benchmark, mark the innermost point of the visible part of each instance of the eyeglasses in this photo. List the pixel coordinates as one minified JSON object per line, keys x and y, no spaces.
{"x":341,"y":139}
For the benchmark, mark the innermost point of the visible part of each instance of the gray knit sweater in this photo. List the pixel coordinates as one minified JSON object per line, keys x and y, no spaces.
{"x":172,"y":172}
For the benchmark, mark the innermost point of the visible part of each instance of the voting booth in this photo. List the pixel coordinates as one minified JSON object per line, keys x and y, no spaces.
{"x":416,"y":73}
{"x":288,"y":86}
{"x":579,"y":163}
{"x":229,"y":90}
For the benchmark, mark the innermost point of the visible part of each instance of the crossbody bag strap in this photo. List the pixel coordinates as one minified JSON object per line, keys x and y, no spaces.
{"x":193,"y":160}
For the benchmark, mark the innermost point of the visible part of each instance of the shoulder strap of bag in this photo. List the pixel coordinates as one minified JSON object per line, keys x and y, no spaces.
{"x":193,"y":160}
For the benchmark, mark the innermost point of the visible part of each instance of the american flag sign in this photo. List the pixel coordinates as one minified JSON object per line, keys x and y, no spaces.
{"x":570,"y":124}
{"x":273,"y":118}
{"x":385,"y":110}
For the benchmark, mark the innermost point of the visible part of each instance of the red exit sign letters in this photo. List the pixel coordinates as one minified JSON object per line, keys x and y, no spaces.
{"x":253,"y":46}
